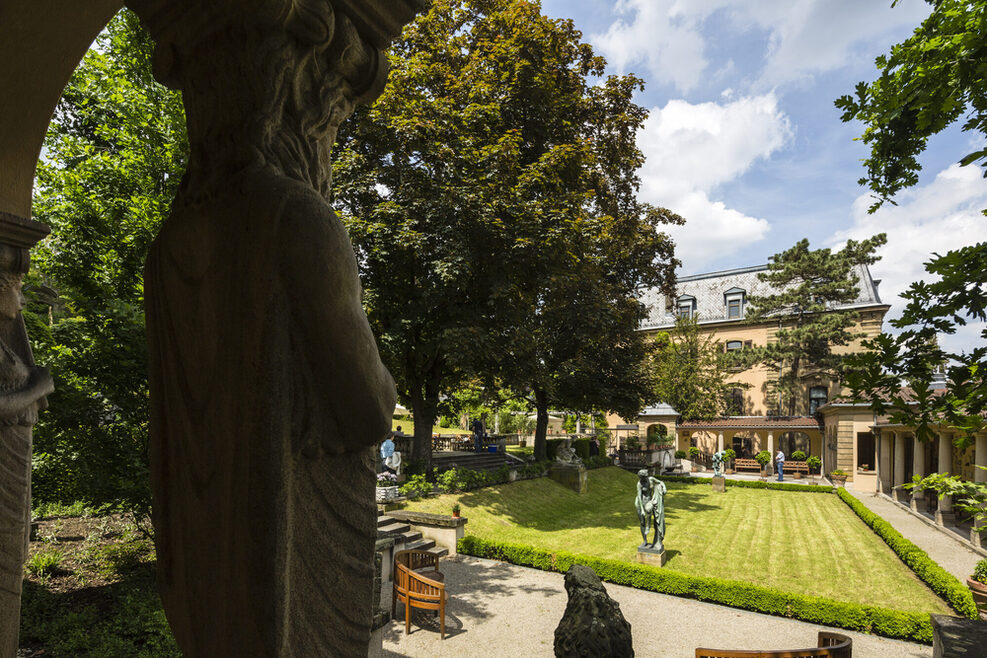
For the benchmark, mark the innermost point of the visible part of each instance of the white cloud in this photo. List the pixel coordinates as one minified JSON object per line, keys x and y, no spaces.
{"x":942,"y":215}
{"x":693,"y":148}
{"x":803,"y":37}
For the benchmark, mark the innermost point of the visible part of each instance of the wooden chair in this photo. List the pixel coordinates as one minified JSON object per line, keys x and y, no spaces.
{"x":418,"y":583}
{"x":829,"y":645}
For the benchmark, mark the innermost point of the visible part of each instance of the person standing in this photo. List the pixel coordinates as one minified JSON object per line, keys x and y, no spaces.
{"x":387,"y":450}
{"x":478,"y":434}
{"x":780,"y":464}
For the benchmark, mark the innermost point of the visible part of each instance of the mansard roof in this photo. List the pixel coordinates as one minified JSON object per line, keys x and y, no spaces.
{"x":709,"y":289}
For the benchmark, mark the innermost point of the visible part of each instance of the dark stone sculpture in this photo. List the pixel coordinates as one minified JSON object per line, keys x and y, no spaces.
{"x":267,"y":391}
{"x":23,"y":387}
{"x":718,"y":463}
{"x":650,"y":506}
{"x":592,"y":625}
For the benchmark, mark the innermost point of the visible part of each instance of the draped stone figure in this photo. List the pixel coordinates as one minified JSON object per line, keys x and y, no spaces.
{"x":267,"y":391}
{"x":23,"y":387}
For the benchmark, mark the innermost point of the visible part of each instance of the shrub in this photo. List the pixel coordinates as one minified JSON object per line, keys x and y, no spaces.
{"x":552,"y":448}
{"x":751,"y":484}
{"x":632,"y":443}
{"x":416,"y":487}
{"x":598,"y":462}
{"x":980,"y":572}
{"x":581,"y":447}
{"x":938,"y":579}
{"x":798,"y":456}
{"x":729,"y":455}
{"x":45,"y":563}
{"x":914,"y":626}
{"x":814,"y":462}
{"x":693,"y":452}
{"x":763,"y":458}
{"x":680,"y":454}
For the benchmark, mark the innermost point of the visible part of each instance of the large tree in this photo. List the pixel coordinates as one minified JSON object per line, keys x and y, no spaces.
{"x":810,"y":286}
{"x":927,"y":82}
{"x":113,"y":158}
{"x":490,"y":181}
{"x":692,"y":372}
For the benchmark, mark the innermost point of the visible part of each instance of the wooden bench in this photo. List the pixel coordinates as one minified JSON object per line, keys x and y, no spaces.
{"x":418,"y":583}
{"x":831,"y":645}
{"x":796,"y":467}
{"x":739,"y":464}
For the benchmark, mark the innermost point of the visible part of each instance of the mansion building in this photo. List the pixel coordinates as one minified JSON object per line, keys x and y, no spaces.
{"x":846,"y":436}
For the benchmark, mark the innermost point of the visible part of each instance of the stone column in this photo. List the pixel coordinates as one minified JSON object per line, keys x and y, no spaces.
{"x":944,"y":513}
{"x":23,"y":388}
{"x":719,"y":442}
{"x":918,"y":467}
{"x":771,"y":452}
{"x":898,"y":475}
{"x":267,"y":392}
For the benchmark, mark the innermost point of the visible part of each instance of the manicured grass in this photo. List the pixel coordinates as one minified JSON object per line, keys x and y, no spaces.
{"x":797,"y":542}
{"x":408,"y":427}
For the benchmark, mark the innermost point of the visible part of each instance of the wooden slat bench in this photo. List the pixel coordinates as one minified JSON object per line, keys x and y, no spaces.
{"x":796,"y":467}
{"x":739,"y":464}
{"x":829,"y":645}
{"x":418,"y":583}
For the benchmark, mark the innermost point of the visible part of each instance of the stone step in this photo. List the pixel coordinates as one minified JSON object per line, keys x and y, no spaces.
{"x":410,"y":537}
{"x":393,"y":529}
{"x":420,"y":545}
{"x":383,"y":519}
{"x":439,"y":551}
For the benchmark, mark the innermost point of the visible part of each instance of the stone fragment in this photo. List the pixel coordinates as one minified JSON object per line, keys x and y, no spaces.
{"x":592,"y":625}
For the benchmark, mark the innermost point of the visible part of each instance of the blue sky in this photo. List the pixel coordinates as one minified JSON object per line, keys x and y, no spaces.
{"x":744,"y":141}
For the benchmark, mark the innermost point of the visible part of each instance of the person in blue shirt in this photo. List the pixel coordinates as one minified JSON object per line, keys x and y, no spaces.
{"x":387,"y":449}
{"x":780,"y":463}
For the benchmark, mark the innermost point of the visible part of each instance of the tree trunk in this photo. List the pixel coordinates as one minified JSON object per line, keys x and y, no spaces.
{"x":423,"y":411}
{"x":541,"y":424}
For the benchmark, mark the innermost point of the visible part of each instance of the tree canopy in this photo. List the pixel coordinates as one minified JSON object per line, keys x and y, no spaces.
{"x":490,"y":193}
{"x":929,"y":81}
{"x":691,"y":372}
{"x":811,"y":285}
{"x":114,"y":153}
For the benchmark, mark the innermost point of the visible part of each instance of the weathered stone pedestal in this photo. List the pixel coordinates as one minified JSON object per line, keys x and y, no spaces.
{"x":953,"y":637}
{"x":719,"y":484}
{"x":573,"y":477}
{"x":654,"y":557}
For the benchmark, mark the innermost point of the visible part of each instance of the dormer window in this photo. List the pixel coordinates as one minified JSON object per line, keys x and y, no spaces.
{"x":686,"y":306}
{"x":734,"y":301}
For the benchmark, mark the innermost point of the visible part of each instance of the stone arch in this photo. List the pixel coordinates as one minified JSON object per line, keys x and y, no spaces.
{"x":656,"y":432}
{"x":332,"y":47}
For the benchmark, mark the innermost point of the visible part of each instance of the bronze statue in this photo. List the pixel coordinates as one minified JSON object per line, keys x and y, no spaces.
{"x":650,"y":505}
{"x":718,"y":463}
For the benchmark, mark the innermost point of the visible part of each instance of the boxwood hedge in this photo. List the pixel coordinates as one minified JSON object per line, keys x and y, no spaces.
{"x":912,"y":626}
{"x":938,"y":579}
{"x":752,"y":484}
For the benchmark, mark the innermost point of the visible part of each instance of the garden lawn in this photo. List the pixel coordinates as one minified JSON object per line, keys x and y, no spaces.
{"x":810,"y":543}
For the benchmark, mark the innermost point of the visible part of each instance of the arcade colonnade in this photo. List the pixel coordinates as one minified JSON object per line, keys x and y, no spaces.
{"x":748,"y":435}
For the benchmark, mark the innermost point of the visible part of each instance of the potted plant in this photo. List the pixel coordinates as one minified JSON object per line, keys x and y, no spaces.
{"x":728,"y":456}
{"x":798,"y":456}
{"x":387,"y":487}
{"x":838,"y":477}
{"x":978,"y":587}
{"x":763,"y":458}
{"x":814,"y":462}
{"x":632,"y":443}
{"x":694,"y":455}
{"x":456,"y":509}
{"x":680,"y":454}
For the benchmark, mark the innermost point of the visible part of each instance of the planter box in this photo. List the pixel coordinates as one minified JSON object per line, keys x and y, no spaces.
{"x":385,"y":494}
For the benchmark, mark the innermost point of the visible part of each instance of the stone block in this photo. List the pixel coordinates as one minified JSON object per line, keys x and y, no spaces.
{"x":719,"y":484}
{"x":568,"y":476}
{"x":446,"y":531}
{"x":651,"y":556}
{"x":954,"y":637}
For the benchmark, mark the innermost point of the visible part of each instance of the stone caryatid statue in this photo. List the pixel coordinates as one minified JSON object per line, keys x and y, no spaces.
{"x":23,"y":387}
{"x":650,"y":506}
{"x":718,"y":463}
{"x":267,"y":392}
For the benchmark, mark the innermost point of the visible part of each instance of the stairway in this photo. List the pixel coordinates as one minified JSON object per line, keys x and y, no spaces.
{"x":475,"y":461}
{"x":405,"y":539}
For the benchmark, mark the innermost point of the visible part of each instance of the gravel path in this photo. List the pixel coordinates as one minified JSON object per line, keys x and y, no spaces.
{"x":951,"y":554}
{"x":498,"y":609}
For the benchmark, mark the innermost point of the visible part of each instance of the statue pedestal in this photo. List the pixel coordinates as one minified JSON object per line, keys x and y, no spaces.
{"x":719,"y":483}
{"x":573,"y":477}
{"x":654,"y":557}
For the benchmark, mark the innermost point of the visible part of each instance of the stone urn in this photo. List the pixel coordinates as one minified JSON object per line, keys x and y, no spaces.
{"x":979,"y":591}
{"x":838,"y":480}
{"x":385,"y":494}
